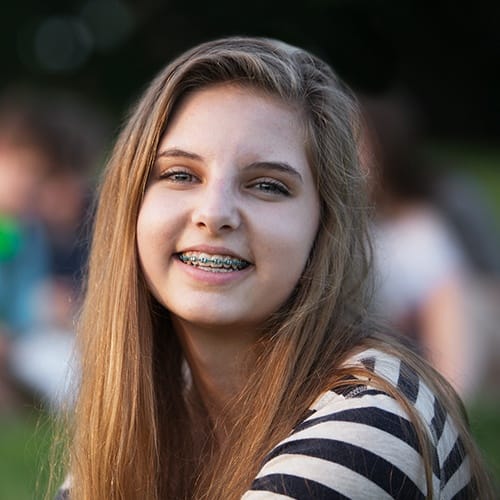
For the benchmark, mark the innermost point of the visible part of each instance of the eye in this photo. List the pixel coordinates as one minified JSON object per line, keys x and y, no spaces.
{"x":271,"y":187}
{"x":178,"y":176}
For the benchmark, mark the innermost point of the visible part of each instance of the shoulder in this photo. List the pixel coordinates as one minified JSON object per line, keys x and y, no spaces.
{"x":361,"y":443}
{"x":413,"y":255}
{"x":419,"y":225}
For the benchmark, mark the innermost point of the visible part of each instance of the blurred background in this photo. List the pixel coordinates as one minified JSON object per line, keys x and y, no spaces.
{"x":428,"y":82}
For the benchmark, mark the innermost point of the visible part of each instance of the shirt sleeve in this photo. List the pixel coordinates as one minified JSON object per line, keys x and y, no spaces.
{"x":364,"y":450}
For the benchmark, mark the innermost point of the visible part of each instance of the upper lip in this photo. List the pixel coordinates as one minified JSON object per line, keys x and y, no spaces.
{"x":214,"y":250}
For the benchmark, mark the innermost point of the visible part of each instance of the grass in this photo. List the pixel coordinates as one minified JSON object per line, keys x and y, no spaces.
{"x":485,"y":424}
{"x":25,"y":439}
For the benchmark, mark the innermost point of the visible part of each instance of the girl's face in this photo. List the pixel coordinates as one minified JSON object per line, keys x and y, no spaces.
{"x":230,"y":211}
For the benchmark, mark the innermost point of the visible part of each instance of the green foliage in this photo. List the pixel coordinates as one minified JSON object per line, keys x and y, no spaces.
{"x":481,"y":162}
{"x":484,"y":418}
{"x":24,"y":450}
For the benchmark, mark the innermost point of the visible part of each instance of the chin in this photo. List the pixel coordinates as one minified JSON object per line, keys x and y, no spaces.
{"x":217,"y":321}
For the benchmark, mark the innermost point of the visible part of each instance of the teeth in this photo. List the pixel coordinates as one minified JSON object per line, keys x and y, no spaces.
{"x":215,"y":263}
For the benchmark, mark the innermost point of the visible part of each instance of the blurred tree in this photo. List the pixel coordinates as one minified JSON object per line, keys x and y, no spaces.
{"x":446,"y":53}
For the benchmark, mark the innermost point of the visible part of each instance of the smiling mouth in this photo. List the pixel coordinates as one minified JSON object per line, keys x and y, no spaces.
{"x":213,"y":263}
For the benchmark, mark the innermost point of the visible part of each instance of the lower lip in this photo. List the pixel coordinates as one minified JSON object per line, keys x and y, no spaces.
{"x":211,"y":277}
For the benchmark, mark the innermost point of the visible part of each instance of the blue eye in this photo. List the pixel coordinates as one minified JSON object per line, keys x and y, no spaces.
{"x":178,"y":176}
{"x":272,"y":187}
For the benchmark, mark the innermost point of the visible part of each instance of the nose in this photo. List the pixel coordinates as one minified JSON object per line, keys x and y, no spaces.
{"x":216,"y":209}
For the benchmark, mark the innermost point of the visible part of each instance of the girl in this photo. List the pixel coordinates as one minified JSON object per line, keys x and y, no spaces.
{"x":226,"y":349}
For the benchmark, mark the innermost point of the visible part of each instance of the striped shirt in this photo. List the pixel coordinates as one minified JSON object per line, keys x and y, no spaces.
{"x":359,"y":443}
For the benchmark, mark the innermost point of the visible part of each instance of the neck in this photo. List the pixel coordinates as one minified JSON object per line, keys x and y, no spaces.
{"x":218,"y":360}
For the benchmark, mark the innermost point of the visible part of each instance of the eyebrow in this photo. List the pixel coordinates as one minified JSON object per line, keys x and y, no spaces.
{"x":277,"y":166}
{"x":178,"y":153}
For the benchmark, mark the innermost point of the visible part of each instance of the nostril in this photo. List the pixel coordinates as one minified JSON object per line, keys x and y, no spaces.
{"x":216,"y":219}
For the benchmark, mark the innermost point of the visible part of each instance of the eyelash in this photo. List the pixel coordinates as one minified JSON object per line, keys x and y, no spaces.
{"x":266,"y":186}
{"x":276,"y":187}
{"x":171,"y":175}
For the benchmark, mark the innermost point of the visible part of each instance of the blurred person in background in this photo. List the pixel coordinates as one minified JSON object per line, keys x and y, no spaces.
{"x":425,"y":269}
{"x":64,"y":200}
{"x":24,"y":264}
{"x":50,"y":141}
{"x":459,"y":197}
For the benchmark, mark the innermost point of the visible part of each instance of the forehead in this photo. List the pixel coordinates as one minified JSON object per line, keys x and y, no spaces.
{"x":240,"y":112}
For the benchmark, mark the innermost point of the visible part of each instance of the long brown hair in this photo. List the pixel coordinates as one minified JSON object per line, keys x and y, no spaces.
{"x":134,"y":422}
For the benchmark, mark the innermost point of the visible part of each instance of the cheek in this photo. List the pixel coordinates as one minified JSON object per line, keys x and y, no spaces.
{"x":144,"y":246}
{"x":303,"y":227}
{"x":152,"y":232}
{"x":287,"y":245}
{"x":144,"y":224}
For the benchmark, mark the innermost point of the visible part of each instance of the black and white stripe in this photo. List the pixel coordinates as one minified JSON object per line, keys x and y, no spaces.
{"x":358,"y":443}
{"x":361,"y":444}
